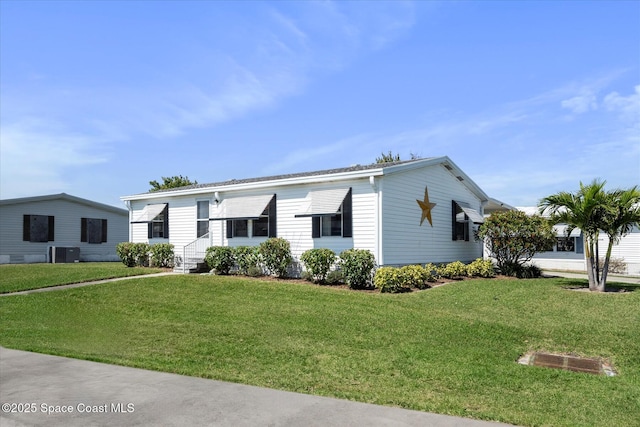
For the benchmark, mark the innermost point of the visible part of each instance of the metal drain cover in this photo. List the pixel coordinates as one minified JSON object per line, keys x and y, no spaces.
{"x":569,"y":363}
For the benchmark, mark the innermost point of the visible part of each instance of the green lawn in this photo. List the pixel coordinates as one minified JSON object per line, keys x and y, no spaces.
{"x":22,"y":277}
{"x":450,"y":350}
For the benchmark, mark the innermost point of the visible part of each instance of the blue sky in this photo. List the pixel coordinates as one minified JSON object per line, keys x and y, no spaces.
{"x":528,"y":98}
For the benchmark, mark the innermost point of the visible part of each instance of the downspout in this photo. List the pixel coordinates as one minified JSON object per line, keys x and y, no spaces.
{"x":378,"y":225}
{"x":128,"y":204}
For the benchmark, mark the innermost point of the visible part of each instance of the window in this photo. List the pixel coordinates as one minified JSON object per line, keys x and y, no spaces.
{"x":338,"y":224}
{"x":239,"y":227}
{"x":93,"y":230}
{"x":459,"y":222}
{"x":159,"y":225}
{"x":565,"y":244}
{"x":203,"y":218}
{"x":260,"y":225}
{"x":38,"y":228}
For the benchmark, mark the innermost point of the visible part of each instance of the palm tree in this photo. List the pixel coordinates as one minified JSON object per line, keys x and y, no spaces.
{"x":621,"y":220}
{"x":584,"y":210}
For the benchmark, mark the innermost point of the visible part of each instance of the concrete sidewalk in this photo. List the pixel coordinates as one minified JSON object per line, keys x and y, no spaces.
{"x":615,"y":278}
{"x":97,"y":394}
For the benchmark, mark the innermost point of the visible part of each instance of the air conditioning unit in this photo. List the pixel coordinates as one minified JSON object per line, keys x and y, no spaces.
{"x":59,"y":255}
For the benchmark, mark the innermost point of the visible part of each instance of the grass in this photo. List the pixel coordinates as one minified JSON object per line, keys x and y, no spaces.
{"x":450,"y":350}
{"x":22,"y":277}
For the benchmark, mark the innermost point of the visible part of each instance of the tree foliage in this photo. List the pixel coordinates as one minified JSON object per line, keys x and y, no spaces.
{"x":513,"y":238}
{"x":171,"y":182}
{"x":594,"y":210}
{"x":388,"y":158}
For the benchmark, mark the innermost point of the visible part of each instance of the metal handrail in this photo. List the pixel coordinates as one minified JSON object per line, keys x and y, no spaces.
{"x":195,"y":250}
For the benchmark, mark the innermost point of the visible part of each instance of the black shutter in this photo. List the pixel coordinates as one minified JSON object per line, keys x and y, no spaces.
{"x":26,"y":228}
{"x":229,"y":229}
{"x":454,"y":225}
{"x":83,"y":229}
{"x":104,"y":230}
{"x":315,"y":226}
{"x":52,"y":234}
{"x":150,"y":230}
{"x":273,"y":232}
{"x":347,"y":216}
{"x":166,"y":222}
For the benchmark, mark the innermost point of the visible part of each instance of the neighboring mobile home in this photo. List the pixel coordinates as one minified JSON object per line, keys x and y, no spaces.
{"x":568,"y":251}
{"x":409,"y":212}
{"x":82,"y":229}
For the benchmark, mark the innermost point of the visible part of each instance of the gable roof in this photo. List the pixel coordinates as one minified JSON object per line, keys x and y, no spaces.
{"x":66,"y":197}
{"x":351,"y":172}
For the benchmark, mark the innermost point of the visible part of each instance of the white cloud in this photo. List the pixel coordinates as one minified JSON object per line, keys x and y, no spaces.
{"x":581,"y":103}
{"x":627,"y":106}
{"x":36,"y":154}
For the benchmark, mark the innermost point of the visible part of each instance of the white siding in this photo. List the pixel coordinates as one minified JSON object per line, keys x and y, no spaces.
{"x":405,"y":241}
{"x":628,"y":250}
{"x":290,"y":201}
{"x":67,"y":226}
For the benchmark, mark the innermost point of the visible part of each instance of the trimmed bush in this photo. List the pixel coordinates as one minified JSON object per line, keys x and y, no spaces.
{"x":246,"y":258}
{"x":219,"y":259}
{"x":357,"y":267}
{"x":387,"y":279}
{"x":276,"y":255}
{"x":481,"y":268}
{"x":162,"y":255}
{"x":126,"y":253}
{"x":453,"y":270}
{"x":414,"y":276}
{"x":334,"y":277}
{"x":141,"y":254}
{"x":432,"y":272}
{"x":318,"y":263}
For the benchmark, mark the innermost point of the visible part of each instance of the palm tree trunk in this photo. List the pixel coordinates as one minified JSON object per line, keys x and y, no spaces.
{"x":605,"y":268}
{"x":591,"y":268}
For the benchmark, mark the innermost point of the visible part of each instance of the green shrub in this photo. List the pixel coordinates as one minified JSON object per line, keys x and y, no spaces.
{"x":531,"y":271}
{"x":432,"y":272}
{"x":246,"y":257}
{"x":414,"y":276}
{"x":141,"y":254}
{"x":453,"y":270}
{"x":481,"y":268}
{"x":162,"y":255}
{"x":389,"y":280}
{"x":334,"y":277}
{"x":276,"y":255}
{"x":126,"y":253}
{"x":318,"y":262}
{"x":219,"y":259}
{"x":255,"y":271}
{"x":357,"y":267}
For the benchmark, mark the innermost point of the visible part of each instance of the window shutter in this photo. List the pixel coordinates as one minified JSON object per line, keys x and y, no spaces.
{"x":315,"y":227}
{"x":166,"y":221}
{"x":580,"y":244}
{"x":52,"y":233}
{"x":229,"y":229}
{"x":26,"y":228}
{"x":454,"y":208}
{"x":149,"y":230}
{"x":104,"y":230}
{"x":83,"y":229}
{"x":347,"y":216}
{"x":273,"y":232}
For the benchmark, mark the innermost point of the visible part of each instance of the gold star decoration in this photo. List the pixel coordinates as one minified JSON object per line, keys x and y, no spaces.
{"x":426,"y":207}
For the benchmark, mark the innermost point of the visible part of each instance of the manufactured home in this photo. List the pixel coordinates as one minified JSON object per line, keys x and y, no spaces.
{"x":407,"y":212}
{"x":60,"y":228}
{"x":568,"y":251}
